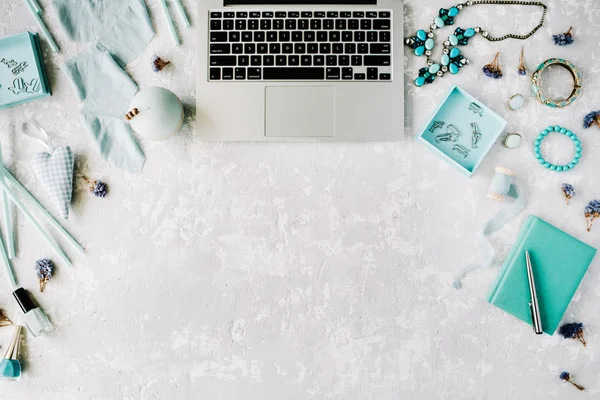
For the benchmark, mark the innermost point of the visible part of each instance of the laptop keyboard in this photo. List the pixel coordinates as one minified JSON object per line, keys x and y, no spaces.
{"x":300,"y":45}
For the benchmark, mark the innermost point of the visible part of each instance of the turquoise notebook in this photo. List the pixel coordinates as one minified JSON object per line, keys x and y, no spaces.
{"x":559,"y":262}
{"x":22,"y":73}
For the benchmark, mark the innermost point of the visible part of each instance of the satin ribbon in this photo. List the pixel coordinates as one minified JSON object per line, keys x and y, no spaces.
{"x":40,"y":136}
{"x":494,"y":224}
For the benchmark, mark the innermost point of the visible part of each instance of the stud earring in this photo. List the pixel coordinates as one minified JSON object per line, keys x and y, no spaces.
{"x":516,"y":102}
{"x":512,"y":140}
{"x":522,"y":70}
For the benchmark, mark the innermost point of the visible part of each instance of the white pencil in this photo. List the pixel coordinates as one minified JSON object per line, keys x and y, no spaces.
{"x":170,"y":24}
{"x":42,"y":27}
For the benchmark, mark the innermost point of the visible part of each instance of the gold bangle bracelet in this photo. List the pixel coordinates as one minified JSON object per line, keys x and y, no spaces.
{"x":536,"y":88}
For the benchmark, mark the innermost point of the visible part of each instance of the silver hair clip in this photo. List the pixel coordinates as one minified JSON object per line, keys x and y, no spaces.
{"x":454,"y":130}
{"x":33,"y":87}
{"x":8,"y":63}
{"x":476,"y":135}
{"x":445,"y":137}
{"x":20,"y":86}
{"x":451,"y":135}
{"x":436,"y":125}
{"x":20,"y":68}
{"x":460,"y":149}
{"x":476,"y":108}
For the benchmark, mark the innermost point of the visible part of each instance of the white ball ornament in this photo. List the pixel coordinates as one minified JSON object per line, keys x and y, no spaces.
{"x":155,"y":113}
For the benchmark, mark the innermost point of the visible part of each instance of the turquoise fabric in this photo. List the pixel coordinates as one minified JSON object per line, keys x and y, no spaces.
{"x":559,"y":262}
{"x":123,"y":27}
{"x":118,"y":30}
{"x":106,"y":90}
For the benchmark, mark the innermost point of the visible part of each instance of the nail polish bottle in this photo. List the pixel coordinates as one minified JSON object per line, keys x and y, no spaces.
{"x":36,"y":319}
{"x":10,"y":366}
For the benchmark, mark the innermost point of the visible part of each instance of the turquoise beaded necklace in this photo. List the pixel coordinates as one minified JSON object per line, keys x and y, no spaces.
{"x":452,"y":60}
{"x":559,"y":168}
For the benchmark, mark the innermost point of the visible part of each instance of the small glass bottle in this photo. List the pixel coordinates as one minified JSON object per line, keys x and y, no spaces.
{"x":37,"y":321}
{"x":10,"y":366}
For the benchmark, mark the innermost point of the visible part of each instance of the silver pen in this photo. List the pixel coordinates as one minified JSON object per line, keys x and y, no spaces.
{"x":534,"y":306}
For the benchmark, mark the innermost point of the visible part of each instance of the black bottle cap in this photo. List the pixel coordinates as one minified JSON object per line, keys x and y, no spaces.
{"x":24,"y":300}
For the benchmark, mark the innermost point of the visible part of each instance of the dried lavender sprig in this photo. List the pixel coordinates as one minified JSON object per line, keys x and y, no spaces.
{"x":97,"y":187}
{"x":563,"y":39}
{"x":569,"y":191}
{"x":4,"y":320}
{"x":158,"y":64}
{"x":565,"y":376}
{"x":592,"y":118}
{"x":573,"y":330}
{"x":591,"y":212}
{"x":45,"y":269}
{"x":522,"y":70}
{"x":493,"y":69}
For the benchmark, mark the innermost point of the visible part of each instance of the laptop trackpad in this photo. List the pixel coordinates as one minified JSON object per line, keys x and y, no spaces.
{"x":299,"y":111}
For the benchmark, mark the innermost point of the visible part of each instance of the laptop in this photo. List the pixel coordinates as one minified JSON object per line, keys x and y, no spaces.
{"x":297,"y":70}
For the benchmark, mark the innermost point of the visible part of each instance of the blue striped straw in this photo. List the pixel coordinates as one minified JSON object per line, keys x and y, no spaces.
{"x":170,"y":24}
{"x":25,"y":193}
{"x":41,"y":25}
{"x":9,"y":271}
{"x":36,"y":6}
{"x":51,"y":242}
{"x":181,"y":11}
{"x":8,"y":227}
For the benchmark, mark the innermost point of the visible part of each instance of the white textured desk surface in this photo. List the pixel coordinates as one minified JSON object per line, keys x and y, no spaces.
{"x":302,"y":270}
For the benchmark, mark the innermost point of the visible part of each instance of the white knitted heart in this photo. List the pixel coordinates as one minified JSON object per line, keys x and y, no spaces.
{"x":55,"y":171}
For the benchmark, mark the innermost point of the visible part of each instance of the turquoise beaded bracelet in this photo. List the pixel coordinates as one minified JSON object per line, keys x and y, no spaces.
{"x":569,"y":134}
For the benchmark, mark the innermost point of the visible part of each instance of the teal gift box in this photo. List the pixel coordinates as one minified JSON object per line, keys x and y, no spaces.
{"x":459,"y":110}
{"x":22,"y":73}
